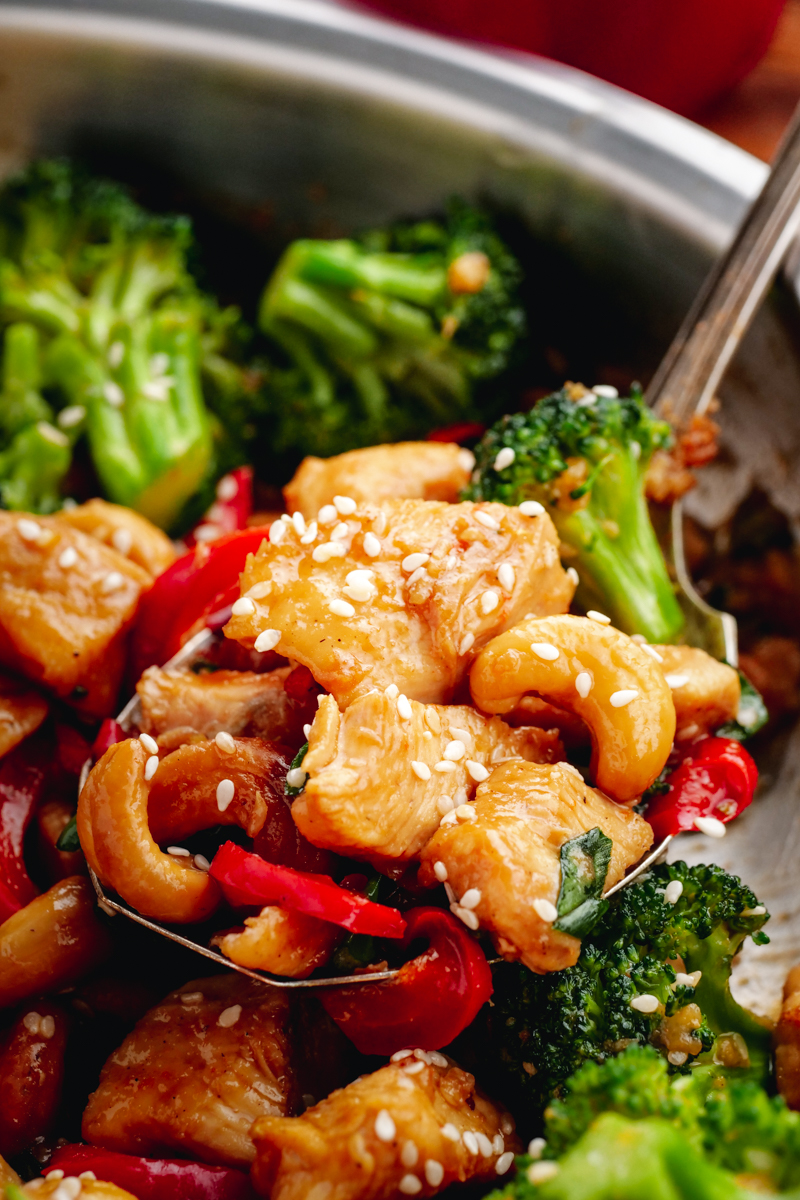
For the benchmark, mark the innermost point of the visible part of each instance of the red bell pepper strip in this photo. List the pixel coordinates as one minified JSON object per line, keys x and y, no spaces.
{"x":230,"y":511}
{"x":154,"y":1178}
{"x":464,"y":431}
{"x":247,"y":879}
{"x":435,"y":996}
{"x":108,"y":735}
{"x":716,"y":778}
{"x":23,"y":776}
{"x":199,"y":583}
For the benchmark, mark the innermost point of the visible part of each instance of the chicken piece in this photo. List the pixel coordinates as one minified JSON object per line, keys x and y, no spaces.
{"x":90,"y":1189}
{"x":31,"y":1076}
{"x":22,"y":711}
{"x":242,"y":703}
{"x":411,"y":1128}
{"x":705,"y":692}
{"x":126,"y":531}
{"x":406,"y":594}
{"x":66,"y":605}
{"x":787,"y":1042}
{"x":196,"y":1072}
{"x":507,"y":850}
{"x":382,"y":774}
{"x":280,"y":941}
{"x":404,"y":471}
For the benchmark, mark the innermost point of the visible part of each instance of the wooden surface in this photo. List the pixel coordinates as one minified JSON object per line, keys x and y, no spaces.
{"x":755,"y":114}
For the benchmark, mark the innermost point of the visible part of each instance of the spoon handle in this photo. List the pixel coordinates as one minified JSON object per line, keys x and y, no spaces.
{"x":690,"y":372}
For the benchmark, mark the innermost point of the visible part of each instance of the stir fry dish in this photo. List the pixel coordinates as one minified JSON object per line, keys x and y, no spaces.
{"x":332,"y":840}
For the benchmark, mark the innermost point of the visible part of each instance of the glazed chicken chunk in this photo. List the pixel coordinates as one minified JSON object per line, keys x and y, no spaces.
{"x":126,"y":531}
{"x":405,"y":594}
{"x":66,"y":604}
{"x":411,"y":1128}
{"x":502,"y":856}
{"x":787,"y":1042}
{"x":705,"y":692}
{"x":280,"y":941}
{"x":22,"y":710}
{"x":196,"y":1072}
{"x":403,"y":471}
{"x":382,"y":774}
{"x":242,"y":703}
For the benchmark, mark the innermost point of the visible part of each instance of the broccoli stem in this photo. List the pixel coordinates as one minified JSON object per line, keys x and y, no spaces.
{"x":319,"y":312}
{"x":50,"y":302}
{"x":342,"y":264}
{"x":32,"y":467}
{"x":22,"y":404}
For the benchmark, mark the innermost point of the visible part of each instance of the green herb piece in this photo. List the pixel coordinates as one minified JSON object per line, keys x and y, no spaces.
{"x":751,"y":716}
{"x":297,"y":761}
{"x":584,"y":866}
{"x":68,"y":838}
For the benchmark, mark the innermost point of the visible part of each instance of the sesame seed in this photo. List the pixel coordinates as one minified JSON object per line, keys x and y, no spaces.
{"x":267,"y":640}
{"x":399,"y":1055}
{"x":227,"y":488}
{"x":676,"y":681}
{"x":450,"y":1132}
{"x":504,"y":458}
{"x":341,"y":532}
{"x":87,"y":1175}
{"x":202,"y":863}
{"x":498,"y":1143}
{"x":32,"y":1022}
{"x":307,"y":731}
{"x":545,"y":651}
{"x":433,"y":720}
{"x":710,"y":826}
{"x":445,"y":766}
{"x":470,"y":1141}
{"x":243,"y":607}
{"x":299,"y":522}
{"x":225,"y":793}
{"x":536,"y":1147}
{"x":150,"y":744}
{"x":758,"y":911}
{"x":344,"y":505}
{"x":392,"y":691}
{"x":466,"y":459}
{"x":484,"y":1145}
{"x":489,"y":602}
{"x":545,"y":910}
{"x":327,"y":514}
{"x":471,"y":898}
{"x":409,"y":1185}
{"x":29,"y":531}
{"x":605,"y":389}
{"x":673,"y":891}
{"x":178,"y":852}
{"x":379,"y":523}
{"x":504,"y":1162}
{"x":572,"y":576}
{"x":434,"y":1172}
{"x":531,"y":508}
{"x":372,"y":546}
{"x":403,"y":707}
{"x":653,"y":653}
{"x":327,"y":551}
{"x":56,"y":1174}
{"x":645,"y":1003}
{"x":601,"y":618}
{"x":114,"y":394}
{"x":688,"y":979}
{"x":409,"y":1155}
{"x":150,"y":767}
{"x":415,"y":577}
{"x":412,"y":562}
{"x":448,"y":819}
{"x":476,"y":770}
{"x":68,"y":557}
{"x":540,"y":1172}
{"x":207,"y":533}
{"x":360,"y":575}
{"x":69,"y":1188}
{"x":385,"y":1128}
{"x":507,"y":1124}
{"x":191,"y":997}
{"x":414,"y":1068}
{"x":467,"y":642}
{"x":360,"y":592}
{"x":341,"y":608}
{"x":465,"y":812}
{"x":583,"y":684}
{"x":111,"y":582}
{"x":259,"y":590}
{"x":440,"y":871}
{"x":506,"y":577}
{"x":466,"y":915}
{"x":421,"y":770}
{"x":677,"y":1057}
{"x":454,"y":750}
{"x":229,"y":1016}
{"x":277,"y":532}
{"x":297,"y":777}
{"x":622,"y":698}
{"x":224,"y":742}
{"x":122,"y":540}
{"x":159,"y":364}
{"x":310,"y":534}
{"x":116,"y":353}
{"x":487,"y":520}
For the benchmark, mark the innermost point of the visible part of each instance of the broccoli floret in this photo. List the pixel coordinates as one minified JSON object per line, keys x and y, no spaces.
{"x":584,"y":457}
{"x":123,"y":325}
{"x":386,"y":335}
{"x":543,"y":1027}
{"x":620,"y":1159}
{"x":731,"y":1122}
